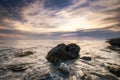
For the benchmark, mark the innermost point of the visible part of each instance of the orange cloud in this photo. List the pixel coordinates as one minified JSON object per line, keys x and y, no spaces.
{"x":12,"y":35}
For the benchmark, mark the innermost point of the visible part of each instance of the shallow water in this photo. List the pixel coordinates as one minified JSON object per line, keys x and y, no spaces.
{"x":94,"y":69}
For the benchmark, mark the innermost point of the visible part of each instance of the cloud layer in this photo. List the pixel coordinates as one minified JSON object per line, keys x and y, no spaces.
{"x":71,"y":18}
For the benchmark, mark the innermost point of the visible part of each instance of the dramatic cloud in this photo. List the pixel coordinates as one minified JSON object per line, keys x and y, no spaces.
{"x":50,"y":18}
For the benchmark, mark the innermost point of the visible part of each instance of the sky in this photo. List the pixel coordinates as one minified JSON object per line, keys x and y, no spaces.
{"x":59,"y":19}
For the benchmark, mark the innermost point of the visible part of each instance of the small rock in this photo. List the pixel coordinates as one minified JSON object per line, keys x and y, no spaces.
{"x":22,"y":54}
{"x":46,"y":77}
{"x":99,"y":76}
{"x":64,"y":68}
{"x":114,"y":48}
{"x":87,"y":53}
{"x":18,"y":67}
{"x":73,"y":78}
{"x":114,"y":69}
{"x":86,"y":58}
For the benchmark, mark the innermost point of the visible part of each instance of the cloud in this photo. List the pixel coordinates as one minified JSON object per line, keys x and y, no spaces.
{"x":49,"y":18}
{"x":82,"y":14}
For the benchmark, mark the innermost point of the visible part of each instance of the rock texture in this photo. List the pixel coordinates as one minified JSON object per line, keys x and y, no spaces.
{"x":18,"y":67}
{"x":63,"y":52}
{"x":114,"y":69}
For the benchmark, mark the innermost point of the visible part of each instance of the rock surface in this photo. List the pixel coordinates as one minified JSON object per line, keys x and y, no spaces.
{"x":86,"y":58}
{"x":114,"y":42}
{"x":114,"y":69}
{"x":26,"y":53}
{"x":18,"y":67}
{"x":63,"y":52}
{"x":64,"y":69}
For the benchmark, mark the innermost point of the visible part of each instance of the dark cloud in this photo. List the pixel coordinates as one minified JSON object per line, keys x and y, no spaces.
{"x":12,"y":8}
{"x":102,"y":33}
{"x":27,"y":35}
{"x":57,"y":4}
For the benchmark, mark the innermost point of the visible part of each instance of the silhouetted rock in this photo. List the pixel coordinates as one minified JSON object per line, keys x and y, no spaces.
{"x":114,"y":42}
{"x":63,"y":52}
{"x":114,"y":48}
{"x":73,"y":51}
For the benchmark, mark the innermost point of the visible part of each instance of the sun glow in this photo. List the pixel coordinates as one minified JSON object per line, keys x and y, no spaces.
{"x":75,"y":24}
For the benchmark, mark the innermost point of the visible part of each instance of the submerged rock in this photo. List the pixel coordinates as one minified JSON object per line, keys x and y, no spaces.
{"x":114,"y":48}
{"x":63,"y":52}
{"x":18,"y":67}
{"x":46,"y":77}
{"x":86,"y":58}
{"x":22,"y":54}
{"x":99,"y":76}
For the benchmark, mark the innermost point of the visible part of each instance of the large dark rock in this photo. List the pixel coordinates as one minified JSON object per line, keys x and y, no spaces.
{"x":114,"y":42}
{"x":63,"y":52}
{"x":73,"y":51}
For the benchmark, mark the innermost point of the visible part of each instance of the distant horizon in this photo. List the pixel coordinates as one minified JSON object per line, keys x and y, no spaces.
{"x":85,"y":38}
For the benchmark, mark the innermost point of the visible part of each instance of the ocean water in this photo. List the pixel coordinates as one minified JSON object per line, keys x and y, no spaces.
{"x":35,"y":43}
{"x":94,"y":69}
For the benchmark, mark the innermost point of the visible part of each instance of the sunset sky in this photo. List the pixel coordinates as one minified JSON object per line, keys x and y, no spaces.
{"x":59,"y":19}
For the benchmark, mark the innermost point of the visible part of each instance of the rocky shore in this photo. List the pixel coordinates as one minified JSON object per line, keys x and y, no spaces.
{"x":93,"y":60}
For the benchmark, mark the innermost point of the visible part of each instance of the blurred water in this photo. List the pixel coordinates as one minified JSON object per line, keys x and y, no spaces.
{"x":96,"y":49}
{"x":35,"y":43}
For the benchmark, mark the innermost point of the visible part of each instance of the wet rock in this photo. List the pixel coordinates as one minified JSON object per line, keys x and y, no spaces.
{"x":22,"y":54}
{"x":73,"y":51}
{"x":114,"y":69}
{"x":4,"y":73}
{"x":105,"y":50}
{"x":63,"y":52}
{"x":114,"y":48}
{"x":46,"y":77}
{"x":18,"y":67}
{"x":100,"y":76}
{"x":73,"y":78}
{"x":64,"y":69}
{"x":39,"y":75}
{"x":114,"y":42}
{"x":87,"y":53}
{"x":86,"y":58}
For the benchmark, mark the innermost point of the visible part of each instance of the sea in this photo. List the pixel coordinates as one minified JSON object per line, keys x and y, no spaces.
{"x":95,"y":69}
